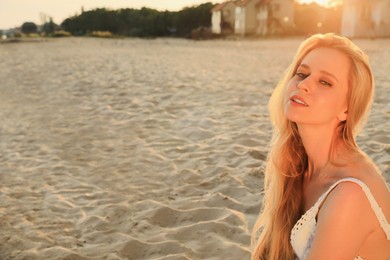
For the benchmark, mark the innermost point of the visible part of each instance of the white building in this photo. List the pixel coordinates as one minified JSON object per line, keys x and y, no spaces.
{"x":223,"y":17}
{"x":253,"y":17}
{"x":246,"y":12}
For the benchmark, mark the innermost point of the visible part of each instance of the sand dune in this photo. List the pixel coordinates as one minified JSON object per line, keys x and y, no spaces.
{"x":144,"y":149}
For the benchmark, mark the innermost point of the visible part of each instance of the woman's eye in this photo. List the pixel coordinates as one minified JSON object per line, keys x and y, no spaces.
{"x":325,"y":83}
{"x":301,"y":75}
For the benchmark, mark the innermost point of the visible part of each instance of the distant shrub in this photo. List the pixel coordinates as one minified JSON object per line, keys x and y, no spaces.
{"x":61,"y":33}
{"x":102,"y":34}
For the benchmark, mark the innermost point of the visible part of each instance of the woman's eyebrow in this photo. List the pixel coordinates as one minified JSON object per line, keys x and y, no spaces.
{"x":322,"y":71}
{"x":329,"y":74}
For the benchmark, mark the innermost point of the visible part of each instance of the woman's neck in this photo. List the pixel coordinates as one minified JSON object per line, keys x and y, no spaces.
{"x":318,"y":141}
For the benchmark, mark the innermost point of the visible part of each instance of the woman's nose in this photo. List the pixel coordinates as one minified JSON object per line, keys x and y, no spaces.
{"x":304,"y":85}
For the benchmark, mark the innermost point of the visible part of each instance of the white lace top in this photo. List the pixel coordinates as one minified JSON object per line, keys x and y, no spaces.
{"x":303,"y":231}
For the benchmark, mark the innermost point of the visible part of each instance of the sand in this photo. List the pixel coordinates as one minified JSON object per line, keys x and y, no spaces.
{"x":144,"y":149}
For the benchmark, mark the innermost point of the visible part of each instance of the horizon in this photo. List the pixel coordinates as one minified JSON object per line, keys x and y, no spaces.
{"x":14,"y":13}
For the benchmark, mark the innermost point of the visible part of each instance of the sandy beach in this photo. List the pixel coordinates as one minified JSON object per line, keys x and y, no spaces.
{"x":145,"y":149}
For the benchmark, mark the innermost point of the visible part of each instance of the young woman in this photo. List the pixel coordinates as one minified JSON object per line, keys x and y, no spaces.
{"x":324,"y":198}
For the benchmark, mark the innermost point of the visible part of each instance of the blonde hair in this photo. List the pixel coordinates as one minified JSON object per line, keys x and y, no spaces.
{"x":287,"y":159}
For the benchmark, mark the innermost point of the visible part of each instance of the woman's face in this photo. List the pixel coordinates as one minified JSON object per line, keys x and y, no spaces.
{"x":317,"y":93}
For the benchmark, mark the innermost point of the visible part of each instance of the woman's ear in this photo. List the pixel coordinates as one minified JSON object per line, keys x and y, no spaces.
{"x":343,"y":116}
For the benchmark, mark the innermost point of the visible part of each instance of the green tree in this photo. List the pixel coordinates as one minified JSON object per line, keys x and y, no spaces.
{"x":193,"y":17}
{"x":49,"y":27}
{"x":29,"y":27}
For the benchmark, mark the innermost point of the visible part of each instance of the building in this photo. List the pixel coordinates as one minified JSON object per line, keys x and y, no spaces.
{"x":370,"y":18}
{"x":246,"y":13}
{"x":253,"y":17}
{"x":223,"y":17}
{"x":264,"y":17}
{"x":274,"y":16}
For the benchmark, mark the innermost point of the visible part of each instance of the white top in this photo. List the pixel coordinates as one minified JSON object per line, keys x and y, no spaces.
{"x":302,"y":234}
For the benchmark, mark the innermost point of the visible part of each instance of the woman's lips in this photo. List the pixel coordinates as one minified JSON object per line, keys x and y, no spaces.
{"x":297,"y":100}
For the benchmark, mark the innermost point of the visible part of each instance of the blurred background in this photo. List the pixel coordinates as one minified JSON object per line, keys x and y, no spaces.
{"x":194,"y":18}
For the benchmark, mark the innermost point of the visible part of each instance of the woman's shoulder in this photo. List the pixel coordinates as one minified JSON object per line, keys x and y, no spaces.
{"x":362,"y":181}
{"x":348,"y":214}
{"x":345,"y":215}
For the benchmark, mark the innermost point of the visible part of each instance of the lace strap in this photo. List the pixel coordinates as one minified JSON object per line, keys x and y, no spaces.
{"x":374,"y":204}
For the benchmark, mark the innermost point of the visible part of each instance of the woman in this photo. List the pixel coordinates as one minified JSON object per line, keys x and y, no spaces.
{"x":324,"y":198}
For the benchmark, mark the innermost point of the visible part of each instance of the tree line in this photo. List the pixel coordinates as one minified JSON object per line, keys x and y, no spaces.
{"x":147,"y":22}
{"x":144,"y":22}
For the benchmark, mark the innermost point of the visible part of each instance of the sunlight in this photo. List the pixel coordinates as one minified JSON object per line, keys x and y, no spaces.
{"x":320,"y":2}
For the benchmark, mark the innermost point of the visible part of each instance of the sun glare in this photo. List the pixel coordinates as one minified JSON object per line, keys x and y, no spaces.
{"x":320,"y":2}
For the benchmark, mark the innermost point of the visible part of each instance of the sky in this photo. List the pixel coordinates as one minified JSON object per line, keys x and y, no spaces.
{"x":13,"y":13}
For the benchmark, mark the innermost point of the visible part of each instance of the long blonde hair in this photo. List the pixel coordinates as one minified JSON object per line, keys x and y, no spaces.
{"x":287,"y":159}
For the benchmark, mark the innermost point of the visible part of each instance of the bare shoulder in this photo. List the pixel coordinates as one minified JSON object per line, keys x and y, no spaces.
{"x":345,"y":215}
{"x":347,"y":206}
{"x":346,"y":197}
{"x":366,"y":171}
